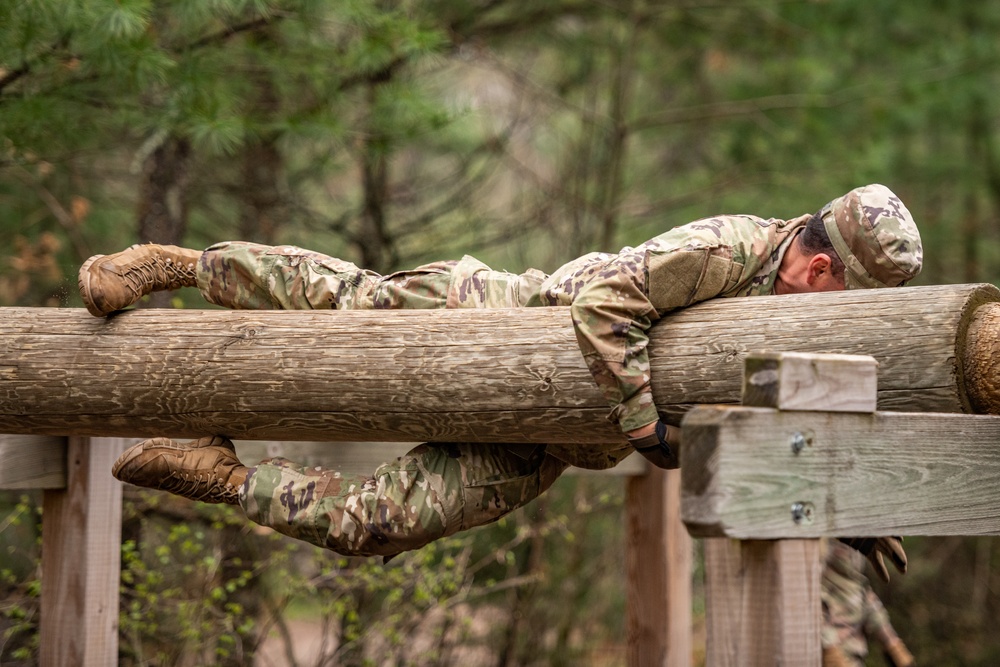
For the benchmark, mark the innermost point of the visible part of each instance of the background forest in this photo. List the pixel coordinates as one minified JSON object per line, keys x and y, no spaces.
{"x":526,"y":133}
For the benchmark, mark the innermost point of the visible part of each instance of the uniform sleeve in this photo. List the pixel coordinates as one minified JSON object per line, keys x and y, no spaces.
{"x":616,"y":306}
{"x":876,"y":623}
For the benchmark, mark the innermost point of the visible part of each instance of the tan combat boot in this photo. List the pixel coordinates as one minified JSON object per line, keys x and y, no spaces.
{"x":112,"y":282}
{"x":206,"y":469}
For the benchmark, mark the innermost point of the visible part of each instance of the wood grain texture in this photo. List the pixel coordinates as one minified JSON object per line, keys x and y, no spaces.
{"x":81,"y":559}
{"x":877,"y":474}
{"x":763,"y":603}
{"x":658,"y":556}
{"x":32,"y":462}
{"x":982,"y":359}
{"x":461,"y":375}
{"x":810,"y":381}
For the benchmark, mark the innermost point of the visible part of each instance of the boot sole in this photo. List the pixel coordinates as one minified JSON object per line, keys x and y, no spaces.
{"x":83,"y":279}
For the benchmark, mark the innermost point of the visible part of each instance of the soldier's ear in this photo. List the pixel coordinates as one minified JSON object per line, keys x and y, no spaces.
{"x":818,"y":265}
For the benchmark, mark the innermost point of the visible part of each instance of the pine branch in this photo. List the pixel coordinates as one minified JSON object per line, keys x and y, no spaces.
{"x":382,"y":75}
{"x":476,"y":27}
{"x":65,"y":219}
{"x":739,"y":108}
{"x":467,"y":184}
{"x":13,"y":75}
{"x":232,"y":31}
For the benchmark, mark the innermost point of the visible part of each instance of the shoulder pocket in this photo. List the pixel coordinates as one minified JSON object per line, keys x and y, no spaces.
{"x":679,"y":278}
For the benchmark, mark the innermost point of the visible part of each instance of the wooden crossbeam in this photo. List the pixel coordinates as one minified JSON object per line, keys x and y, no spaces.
{"x":40,"y":461}
{"x":763,"y":473}
{"x":472,"y":375}
{"x":32,"y":462}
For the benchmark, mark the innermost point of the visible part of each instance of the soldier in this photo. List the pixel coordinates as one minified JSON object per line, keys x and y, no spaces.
{"x":863,"y":239}
{"x":853,"y":615}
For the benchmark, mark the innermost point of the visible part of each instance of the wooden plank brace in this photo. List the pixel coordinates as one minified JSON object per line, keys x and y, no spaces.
{"x":763,"y":597}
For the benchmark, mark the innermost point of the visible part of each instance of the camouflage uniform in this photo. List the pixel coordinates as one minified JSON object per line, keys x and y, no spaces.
{"x":853,"y":614}
{"x":614,"y":299}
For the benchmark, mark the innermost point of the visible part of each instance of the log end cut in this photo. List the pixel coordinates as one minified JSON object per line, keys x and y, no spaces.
{"x":981,"y":360}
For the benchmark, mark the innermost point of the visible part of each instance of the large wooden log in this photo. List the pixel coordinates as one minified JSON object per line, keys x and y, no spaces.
{"x":476,"y":375}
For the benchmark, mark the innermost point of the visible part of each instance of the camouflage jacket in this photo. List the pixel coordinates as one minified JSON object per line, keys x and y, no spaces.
{"x":614,"y":299}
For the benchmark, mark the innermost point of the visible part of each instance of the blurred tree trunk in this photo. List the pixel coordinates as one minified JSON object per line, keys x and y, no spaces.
{"x":934,"y":208}
{"x":622,"y":78}
{"x":376,"y":246}
{"x":575,"y":586}
{"x":262,"y":206}
{"x":975,"y":134}
{"x":523,"y":636}
{"x":162,"y":212}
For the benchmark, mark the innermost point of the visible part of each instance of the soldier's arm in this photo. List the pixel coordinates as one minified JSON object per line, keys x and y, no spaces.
{"x":877,"y":627}
{"x":613,"y":311}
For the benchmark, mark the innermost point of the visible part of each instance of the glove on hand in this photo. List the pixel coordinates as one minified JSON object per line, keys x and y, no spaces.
{"x":873,"y":548}
{"x":659,"y":448}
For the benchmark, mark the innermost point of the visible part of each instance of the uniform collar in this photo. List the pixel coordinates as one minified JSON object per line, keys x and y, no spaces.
{"x":763,"y":281}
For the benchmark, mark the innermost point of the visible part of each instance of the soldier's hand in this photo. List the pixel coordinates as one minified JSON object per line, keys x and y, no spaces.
{"x":899,"y":655}
{"x":874,"y":548}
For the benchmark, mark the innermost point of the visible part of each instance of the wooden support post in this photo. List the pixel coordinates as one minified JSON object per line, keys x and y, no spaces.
{"x":762,"y":602}
{"x":658,"y":557}
{"x":763,"y":597}
{"x":81,"y":559}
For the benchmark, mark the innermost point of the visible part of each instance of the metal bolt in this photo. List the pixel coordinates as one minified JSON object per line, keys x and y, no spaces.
{"x":802,"y":513}
{"x":800,"y":440}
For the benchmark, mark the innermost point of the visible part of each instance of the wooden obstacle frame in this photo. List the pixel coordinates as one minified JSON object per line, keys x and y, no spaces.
{"x":801,"y":459}
{"x":81,"y":540}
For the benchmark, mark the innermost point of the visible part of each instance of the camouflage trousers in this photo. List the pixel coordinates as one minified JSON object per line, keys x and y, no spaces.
{"x":436,"y":489}
{"x":250,"y":276}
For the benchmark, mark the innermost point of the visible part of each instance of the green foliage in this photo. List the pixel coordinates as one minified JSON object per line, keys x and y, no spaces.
{"x":526,"y":133}
{"x":20,"y":588}
{"x":201,"y":586}
{"x":944,"y":606}
{"x":181,"y":587}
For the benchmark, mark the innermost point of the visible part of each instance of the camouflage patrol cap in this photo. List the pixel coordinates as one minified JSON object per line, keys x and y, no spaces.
{"x":875,"y":236}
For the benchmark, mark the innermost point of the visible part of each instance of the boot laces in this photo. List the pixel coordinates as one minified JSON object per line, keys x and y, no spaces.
{"x":200,"y":485}
{"x":157,"y":273}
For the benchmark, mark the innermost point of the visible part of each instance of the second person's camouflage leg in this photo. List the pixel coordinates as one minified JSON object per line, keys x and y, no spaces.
{"x":431,"y":492}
